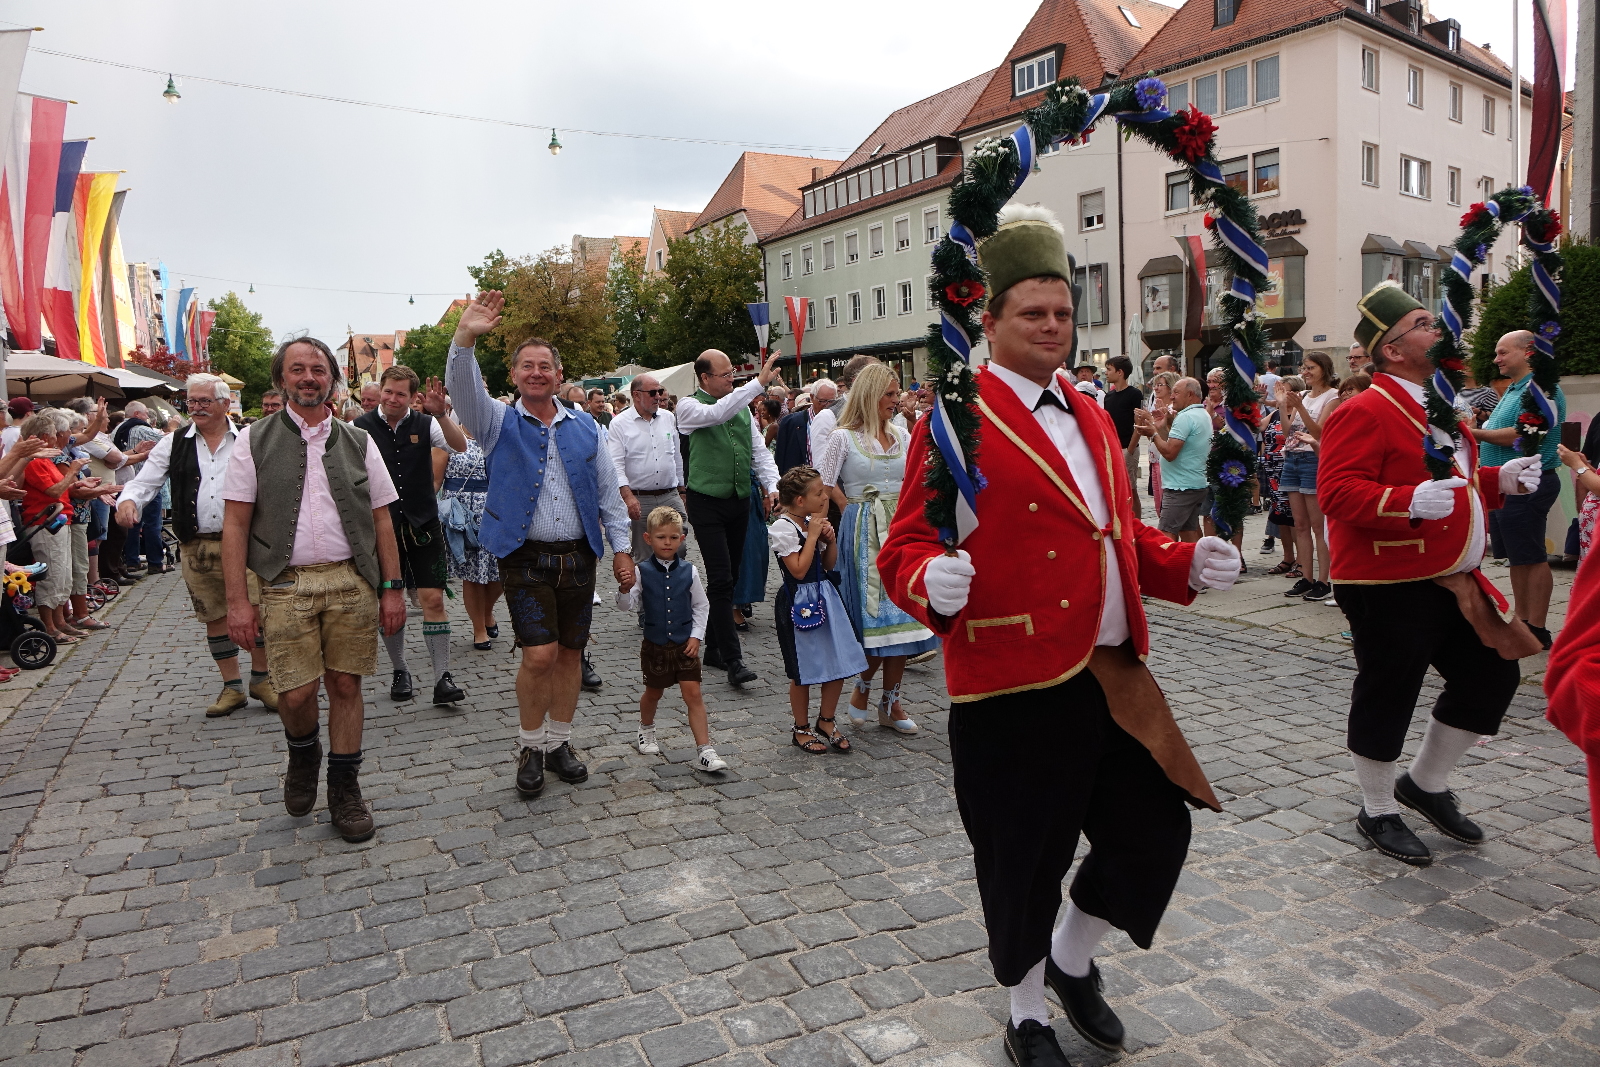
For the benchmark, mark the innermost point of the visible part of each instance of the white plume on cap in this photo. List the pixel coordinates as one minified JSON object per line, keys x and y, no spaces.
{"x":1030,"y":213}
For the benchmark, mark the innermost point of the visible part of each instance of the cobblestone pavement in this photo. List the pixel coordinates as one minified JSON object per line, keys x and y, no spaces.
{"x":157,"y":906}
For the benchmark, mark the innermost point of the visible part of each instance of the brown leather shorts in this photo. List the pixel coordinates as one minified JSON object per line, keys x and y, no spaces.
{"x":664,"y":666}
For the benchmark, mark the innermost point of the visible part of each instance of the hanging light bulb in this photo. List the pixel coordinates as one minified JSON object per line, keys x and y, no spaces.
{"x":252,"y":287}
{"x":411,"y":300}
{"x":172,"y":95}
{"x":555,"y":145}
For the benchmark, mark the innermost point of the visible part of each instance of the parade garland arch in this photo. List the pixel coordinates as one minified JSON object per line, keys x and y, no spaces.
{"x":993,"y":173}
{"x":1481,"y":226}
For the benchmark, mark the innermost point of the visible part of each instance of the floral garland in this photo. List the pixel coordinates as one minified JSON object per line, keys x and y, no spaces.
{"x":994,"y":172}
{"x":1481,"y":227}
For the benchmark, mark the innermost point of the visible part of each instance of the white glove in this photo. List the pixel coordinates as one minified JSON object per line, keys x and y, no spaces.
{"x":949,"y":580}
{"x":1521,"y":475}
{"x":1435,"y":500}
{"x":1216,"y":564}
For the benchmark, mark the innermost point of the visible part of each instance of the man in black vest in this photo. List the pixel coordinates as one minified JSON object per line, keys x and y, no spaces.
{"x":407,"y":439}
{"x":197,"y":477}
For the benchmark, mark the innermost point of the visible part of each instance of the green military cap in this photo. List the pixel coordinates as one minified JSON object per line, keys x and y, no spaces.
{"x":1030,"y":243}
{"x":1383,"y":306}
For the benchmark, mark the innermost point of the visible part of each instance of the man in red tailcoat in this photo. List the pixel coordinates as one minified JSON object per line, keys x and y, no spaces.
{"x":1056,"y":726}
{"x":1405,"y":551}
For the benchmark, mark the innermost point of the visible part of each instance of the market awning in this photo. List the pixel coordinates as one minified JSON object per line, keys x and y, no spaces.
{"x":48,"y":378}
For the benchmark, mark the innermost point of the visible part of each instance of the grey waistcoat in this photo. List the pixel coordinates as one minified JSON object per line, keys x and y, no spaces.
{"x":279,"y":454}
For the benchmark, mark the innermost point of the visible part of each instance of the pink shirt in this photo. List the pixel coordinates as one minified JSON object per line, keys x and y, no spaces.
{"x":318,"y":535}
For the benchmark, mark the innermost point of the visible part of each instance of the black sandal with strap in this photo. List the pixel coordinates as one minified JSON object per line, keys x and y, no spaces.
{"x":833,"y":738}
{"x":821,"y":746}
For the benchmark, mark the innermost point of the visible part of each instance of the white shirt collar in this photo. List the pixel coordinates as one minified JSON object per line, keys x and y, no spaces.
{"x":320,"y":428}
{"x":1412,"y":388}
{"x":231,"y":431}
{"x":1028,"y":391}
{"x":562,"y":411}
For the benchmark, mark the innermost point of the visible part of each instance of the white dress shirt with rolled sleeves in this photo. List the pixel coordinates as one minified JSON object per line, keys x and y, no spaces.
{"x":699,"y":604}
{"x":208,"y":507}
{"x":646,"y":451}
{"x":693,"y":415}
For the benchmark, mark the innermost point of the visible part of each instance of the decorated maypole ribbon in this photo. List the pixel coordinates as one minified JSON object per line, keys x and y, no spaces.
{"x":994,"y":172}
{"x":1481,"y":227}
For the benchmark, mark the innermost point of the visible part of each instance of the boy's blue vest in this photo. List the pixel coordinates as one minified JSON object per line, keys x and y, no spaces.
{"x":668,"y":603}
{"x":516,"y":474}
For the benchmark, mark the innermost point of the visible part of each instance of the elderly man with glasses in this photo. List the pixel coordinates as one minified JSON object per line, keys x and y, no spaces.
{"x":644,"y":448}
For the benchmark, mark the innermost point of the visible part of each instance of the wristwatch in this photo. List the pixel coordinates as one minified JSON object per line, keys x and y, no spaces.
{"x":392,"y":583}
{"x":1581,"y":471}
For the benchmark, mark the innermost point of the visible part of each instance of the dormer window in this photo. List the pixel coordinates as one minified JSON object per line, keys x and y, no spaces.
{"x":1226,"y":10}
{"x":1034,"y":73}
{"x":1128,"y":15}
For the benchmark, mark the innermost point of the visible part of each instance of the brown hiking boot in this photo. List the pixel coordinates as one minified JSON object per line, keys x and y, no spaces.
{"x":300,"y":783}
{"x":351,"y":816}
{"x":228,"y":700}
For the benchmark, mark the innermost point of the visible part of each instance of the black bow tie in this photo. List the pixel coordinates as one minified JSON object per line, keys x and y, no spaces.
{"x":1048,"y":397}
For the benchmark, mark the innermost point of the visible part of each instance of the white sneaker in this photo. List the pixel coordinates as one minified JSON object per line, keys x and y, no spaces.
{"x":708,"y":760}
{"x":597,"y":598}
{"x":647,"y":741}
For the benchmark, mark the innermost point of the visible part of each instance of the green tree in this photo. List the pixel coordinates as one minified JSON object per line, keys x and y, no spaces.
{"x":1578,"y":347}
{"x":553,"y":297}
{"x":241,"y":346}
{"x":428,"y":346}
{"x":709,"y":277}
{"x":633,"y":301}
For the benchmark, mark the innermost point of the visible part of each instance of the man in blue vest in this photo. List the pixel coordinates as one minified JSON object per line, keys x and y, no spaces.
{"x":553,"y":502}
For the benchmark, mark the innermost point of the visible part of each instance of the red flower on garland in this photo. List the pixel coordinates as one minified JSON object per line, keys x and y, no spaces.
{"x":1530,"y":421}
{"x":1452,"y":363}
{"x":964,"y":293}
{"x":1552,"y":229}
{"x":1476,"y":214}
{"x":1194,"y":136}
{"x":1210,"y":222}
{"x":1249,"y":414}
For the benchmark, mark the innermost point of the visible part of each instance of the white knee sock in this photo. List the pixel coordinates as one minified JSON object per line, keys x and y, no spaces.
{"x":1072,"y":946}
{"x":556,"y":733}
{"x":1027,"y":998}
{"x":1376,"y":779}
{"x":533,"y":739}
{"x":1442,"y":748}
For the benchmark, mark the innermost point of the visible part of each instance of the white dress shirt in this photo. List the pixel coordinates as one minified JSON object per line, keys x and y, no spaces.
{"x":1475,"y":540}
{"x":1062,"y":428}
{"x":692,"y":415}
{"x":823,"y":423}
{"x":646,"y":451}
{"x":208,"y":506}
{"x":699,"y":603}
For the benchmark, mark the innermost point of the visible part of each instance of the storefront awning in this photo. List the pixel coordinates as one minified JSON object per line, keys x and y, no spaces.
{"x":1164,"y":265}
{"x":1279,"y":247}
{"x":1377,"y":242}
{"x":1418,"y":250}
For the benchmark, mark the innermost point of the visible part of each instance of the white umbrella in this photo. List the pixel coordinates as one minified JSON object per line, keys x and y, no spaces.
{"x":48,"y":378}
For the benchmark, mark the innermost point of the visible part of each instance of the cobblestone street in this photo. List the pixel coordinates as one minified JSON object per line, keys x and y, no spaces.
{"x":157,"y":906}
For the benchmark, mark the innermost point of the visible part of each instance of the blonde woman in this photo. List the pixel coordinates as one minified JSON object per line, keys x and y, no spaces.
{"x":1159,"y":404}
{"x":863,"y":464}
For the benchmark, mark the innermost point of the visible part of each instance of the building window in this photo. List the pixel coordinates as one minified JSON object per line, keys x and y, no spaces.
{"x":904,"y":290}
{"x":1128,"y":16}
{"x":811,"y":314}
{"x":1236,"y":174}
{"x":1177,"y":97}
{"x":930,"y":225}
{"x":1091,"y":309}
{"x":1453,"y":181}
{"x":660,"y":257}
{"x":1226,"y":9}
{"x":880,"y":302}
{"x":852,"y":247}
{"x":927,"y":286}
{"x":807,"y":263}
{"x":830,"y":308}
{"x":902,"y":233}
{"x":827,"y":253}
{"x":1488,"y":114}
{"x":1031,"y":74}
{"x":1369,"y":69}
{"x":1205,"y":94}
{"x":875,"y":240}
{"x":1092,"y":211}
{"x":811,"y":203}
{"x":1235,"y":88}
{"x":830,"y":196}
{"x":902,"y":170}
{"x":930,"y":161}
{"x":1414,"y":86}
{"x":1266,"y":168}
{"x":852,"y":189}
{"x":853,"y":306}
{"x":916,"y":166}
{"x":1485,"y":187}
{"x":1414,"y":177}
{"x":1178,"y":190}
{"x":1369,"y":164}
{"x":788,"y":265}
{"x":1455,"y":102}
{"x":875,"y":178}
{"x":1266,"y":79}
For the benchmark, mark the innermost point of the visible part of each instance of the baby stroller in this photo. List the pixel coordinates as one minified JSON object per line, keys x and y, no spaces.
{"x":31,"y":647}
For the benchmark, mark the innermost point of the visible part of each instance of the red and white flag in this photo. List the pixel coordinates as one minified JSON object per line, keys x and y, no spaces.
{"x":63,"y":272}
{"x":1549,"y":79}
{"x":797,"y":306}
{"x":27,"y":204}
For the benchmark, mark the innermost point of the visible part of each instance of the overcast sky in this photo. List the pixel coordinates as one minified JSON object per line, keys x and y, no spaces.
{"x":233,"y":186}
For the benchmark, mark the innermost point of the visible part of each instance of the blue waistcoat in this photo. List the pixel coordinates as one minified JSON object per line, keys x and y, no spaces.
{"x":668,"y":607}
{"x":516,"y":474}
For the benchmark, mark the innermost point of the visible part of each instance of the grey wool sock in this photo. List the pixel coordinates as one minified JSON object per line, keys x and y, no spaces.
{"x":395,"y":644}
{"x":436,"y":635}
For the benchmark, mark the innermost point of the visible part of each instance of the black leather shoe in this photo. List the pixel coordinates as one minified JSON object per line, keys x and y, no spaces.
{"x":565,"y":763}
{"x":591,"y":679}
{"x":712,"y":660}
{"x":1086,"y":1008}
{"x":739,"y":674}
{"x":445,"y":691}
{"x":401,"y":688}
{"x":1439,"y":809}
{"x":530,"y":772}
{"x":1033,"y":1044}
{"x":1390,"y":835}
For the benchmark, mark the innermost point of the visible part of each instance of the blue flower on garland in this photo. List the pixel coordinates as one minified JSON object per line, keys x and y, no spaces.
{"x":1150,"y":93}
{"x":979,"y":482}
{"x":1232,"y":474}
{"x":1480,"y":253}
{"x":1550,"y":331}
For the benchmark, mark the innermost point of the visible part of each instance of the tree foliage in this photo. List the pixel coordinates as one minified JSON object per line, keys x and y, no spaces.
{"x":632,"y":301}
{"x":700,"y":297}
{"x":241,"y":346}
{"x":1578,"y":347}
{"x":554,"y":297}
{"x":428,"y":346}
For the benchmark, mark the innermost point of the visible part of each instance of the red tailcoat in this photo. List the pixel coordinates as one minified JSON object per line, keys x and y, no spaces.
{"x":1371,"y":462}
{"x":1572,"y":679}
{"x":1034,"y":610}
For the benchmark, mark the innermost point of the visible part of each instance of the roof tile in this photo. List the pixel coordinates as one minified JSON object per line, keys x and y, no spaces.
{"x":765,"y":187}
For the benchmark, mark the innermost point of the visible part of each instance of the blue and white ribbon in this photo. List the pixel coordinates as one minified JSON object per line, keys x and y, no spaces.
{"x":1431,"y":447}
{"x":1238,"y":239}
{"x":1243,"y":365}
{"x":1242,"y":291}
{"x":955,"y":335}
{"x":1210,"y":171}
{"x":962,"y":236}
{"x":1097,"y":107}
{"x":1547,"y":285}
{"x":1542,"y":403}
{"x":1542,"y":247}
{"x":1023,"y":139}
{"x":956,"y":462}
{"x":1155,"y":114}
{"x":1441,"y":383}
{"x":1241,"y":431}
{"x":1462,"y":266}
{"x":1451,"y":319}
{"x":1492,"y":208}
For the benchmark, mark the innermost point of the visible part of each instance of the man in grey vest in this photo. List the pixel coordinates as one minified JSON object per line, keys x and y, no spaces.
{"x":322,"y":549}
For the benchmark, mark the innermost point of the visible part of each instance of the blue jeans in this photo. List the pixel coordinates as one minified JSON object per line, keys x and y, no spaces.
{"x":146,"y":536}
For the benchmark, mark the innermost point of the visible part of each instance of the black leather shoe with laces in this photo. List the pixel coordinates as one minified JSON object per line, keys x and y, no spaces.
{"x":1390,"y":835}
{"x":1033,"y":1044}
{"x":591,"y":678}
{"x":1085,"y":1005}
{"x":401,"y":688}
{"x":565,"y":763}
{"x":740,"y":675}
{"x":1439,"y":809}
{"x":530,"y":772}
{"x":445,"y":691}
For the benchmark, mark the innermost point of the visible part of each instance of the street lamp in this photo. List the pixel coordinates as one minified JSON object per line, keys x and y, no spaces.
{"x":171,"y":93}
{"x":555,"y":145}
